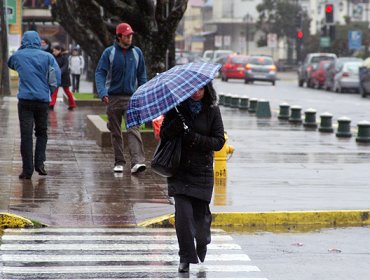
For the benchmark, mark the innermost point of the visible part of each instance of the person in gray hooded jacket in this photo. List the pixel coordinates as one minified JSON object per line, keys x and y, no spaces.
{"x":39,"y":75}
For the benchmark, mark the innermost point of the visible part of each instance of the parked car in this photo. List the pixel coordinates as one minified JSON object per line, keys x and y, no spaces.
{"x":364,"y":73}
{"x":333,"y":69}
{"x":347,"y":76}
{"x":212,"y":56}
{"x":304,"y":70}
{"x":317,"y":76}
{"x":234,"y":67}
{"x":260,"y":68}
{"x":221,"y":60}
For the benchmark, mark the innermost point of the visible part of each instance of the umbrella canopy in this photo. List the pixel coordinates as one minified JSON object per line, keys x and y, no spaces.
{"x":167,"y":90}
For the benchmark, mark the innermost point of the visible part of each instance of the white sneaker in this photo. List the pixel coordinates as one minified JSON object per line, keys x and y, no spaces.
{"x":118,"y":168}
{"x":138,"y":167}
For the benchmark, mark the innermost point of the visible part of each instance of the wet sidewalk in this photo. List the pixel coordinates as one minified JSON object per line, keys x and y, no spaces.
{"x":276,"y":166}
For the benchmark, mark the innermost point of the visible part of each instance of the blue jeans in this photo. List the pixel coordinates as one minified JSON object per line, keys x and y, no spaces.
{"x":33,"y":115}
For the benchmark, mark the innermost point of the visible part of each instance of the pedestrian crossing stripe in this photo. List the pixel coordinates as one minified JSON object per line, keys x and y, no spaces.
{"x":98,"y":230}
{"x":47,"y":237}
{"x":176,"y":278}
{"x":116,"y":258}
{"x":89,"y":253}
{"x":107,"y":247}
{"x":121,"y":269}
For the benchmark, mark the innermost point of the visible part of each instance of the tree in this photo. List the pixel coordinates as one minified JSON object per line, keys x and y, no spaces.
{"x":4,"y":71}
{"x":92,"y":25}
{"x":284,"y":18}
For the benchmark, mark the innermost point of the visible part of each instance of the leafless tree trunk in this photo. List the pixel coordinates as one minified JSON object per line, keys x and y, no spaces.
{"x":4,"y":71}
{"x":92,"y":25}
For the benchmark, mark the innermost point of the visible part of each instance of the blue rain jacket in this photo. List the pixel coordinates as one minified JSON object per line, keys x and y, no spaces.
{"x":39,"y":73}
{"x":118,"y":73}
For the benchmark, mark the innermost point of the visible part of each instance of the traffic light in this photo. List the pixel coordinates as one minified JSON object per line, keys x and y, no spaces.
{"x":329,"y":13}
{"x":299,"y":35}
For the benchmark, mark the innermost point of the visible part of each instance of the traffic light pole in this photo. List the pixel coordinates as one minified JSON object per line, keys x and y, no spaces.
{"x":4,"y":71}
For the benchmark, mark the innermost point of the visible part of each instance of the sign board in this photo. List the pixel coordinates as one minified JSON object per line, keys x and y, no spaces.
{"x":11,"y":8}
{"x":325,"y":42}
{"x":227,"y":40}
{"x":354,"y":40}
{"x":272,"y":40}
{"x":218,"y":41}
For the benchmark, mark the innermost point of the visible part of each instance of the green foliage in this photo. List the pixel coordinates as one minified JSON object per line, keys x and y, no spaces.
{"x":340,"y":44}
{"x":85,"y":96}
{"x":280,"y":17}
{"x":143,"y":127}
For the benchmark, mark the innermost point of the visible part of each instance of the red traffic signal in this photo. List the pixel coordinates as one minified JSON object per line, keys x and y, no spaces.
{"x":329,"y":13}
{"x":299,"y":35}
{"x":329,"y":8}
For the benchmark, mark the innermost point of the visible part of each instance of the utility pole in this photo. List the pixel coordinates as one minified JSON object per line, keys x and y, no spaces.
{"x":4,"y":71}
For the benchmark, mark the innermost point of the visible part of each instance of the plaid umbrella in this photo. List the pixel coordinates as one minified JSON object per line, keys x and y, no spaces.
{"x":167,"y":90}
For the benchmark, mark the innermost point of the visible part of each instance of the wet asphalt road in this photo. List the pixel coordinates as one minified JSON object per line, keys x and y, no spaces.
{"x":325,"y":254}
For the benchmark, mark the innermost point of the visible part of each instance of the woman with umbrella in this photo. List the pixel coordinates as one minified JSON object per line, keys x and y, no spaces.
{"x":192,"y":185}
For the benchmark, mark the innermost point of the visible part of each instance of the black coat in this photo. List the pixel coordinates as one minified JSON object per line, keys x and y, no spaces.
{"x":195,"y":176}
{"x":63,"y":63}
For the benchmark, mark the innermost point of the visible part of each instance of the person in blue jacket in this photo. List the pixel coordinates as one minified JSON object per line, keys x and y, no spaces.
{"x":121,"y":69}
{"x":39,"y":75}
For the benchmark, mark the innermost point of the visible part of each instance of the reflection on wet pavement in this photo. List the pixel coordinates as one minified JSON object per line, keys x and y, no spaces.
{"x":80,"y":189}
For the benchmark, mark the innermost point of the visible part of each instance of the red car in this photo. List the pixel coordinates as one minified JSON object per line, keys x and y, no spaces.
{"x":234,"y":67}
{"x":318,"y":74}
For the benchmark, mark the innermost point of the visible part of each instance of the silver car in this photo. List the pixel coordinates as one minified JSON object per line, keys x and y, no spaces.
{"x":260,"y":68}
{"x":347,"y":76}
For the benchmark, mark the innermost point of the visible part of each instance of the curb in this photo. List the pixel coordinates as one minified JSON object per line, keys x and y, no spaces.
{"x":8,"y":220}
{"x":261,"y":219}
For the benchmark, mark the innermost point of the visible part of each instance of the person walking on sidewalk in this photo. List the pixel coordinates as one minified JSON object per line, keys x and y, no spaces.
{"x":62,"y":60}
{"x":192,"y":185}
{"x":39,"y":74}
{"x":76,"y":65}
{"x":121,"y":69}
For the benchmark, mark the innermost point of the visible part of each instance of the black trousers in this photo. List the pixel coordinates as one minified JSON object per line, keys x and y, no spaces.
{"x":193,"y":223}
{"x":33,"y":115}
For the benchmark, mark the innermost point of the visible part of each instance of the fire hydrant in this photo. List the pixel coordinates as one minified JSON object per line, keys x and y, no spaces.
{"x":220,"y":169}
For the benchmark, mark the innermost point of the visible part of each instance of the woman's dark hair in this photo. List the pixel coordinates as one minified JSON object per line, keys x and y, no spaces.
{"x":210,"y":96}
{"x":57,"y":47}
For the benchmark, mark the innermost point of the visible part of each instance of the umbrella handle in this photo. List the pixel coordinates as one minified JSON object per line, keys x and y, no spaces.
{"x":186,"y":128}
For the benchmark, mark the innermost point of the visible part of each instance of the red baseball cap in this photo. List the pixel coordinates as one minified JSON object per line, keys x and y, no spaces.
{"x":124,"y":29}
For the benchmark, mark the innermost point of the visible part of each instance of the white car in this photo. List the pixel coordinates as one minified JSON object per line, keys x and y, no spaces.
{"x":347,"y":77}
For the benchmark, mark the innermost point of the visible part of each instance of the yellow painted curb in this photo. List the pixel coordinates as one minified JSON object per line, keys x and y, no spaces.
{"x":290,"y":218}
{"x":161,"y":221}
{"x":8,"y":220}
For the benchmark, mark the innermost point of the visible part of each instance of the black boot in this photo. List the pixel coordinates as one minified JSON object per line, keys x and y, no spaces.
{"x":184,"y":267}
{"x":41,"y":170}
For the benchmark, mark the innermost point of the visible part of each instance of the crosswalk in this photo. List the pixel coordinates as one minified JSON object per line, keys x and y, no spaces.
{"x":115,"y":253}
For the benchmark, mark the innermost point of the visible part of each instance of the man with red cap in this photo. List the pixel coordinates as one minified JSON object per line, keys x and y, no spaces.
{"x":121,"y":69}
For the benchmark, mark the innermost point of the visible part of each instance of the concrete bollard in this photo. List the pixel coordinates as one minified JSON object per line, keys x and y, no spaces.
{"x":326,"y":123}
{"x":363,"y":133}
{"x":295,"y":114}
{"x":284,"y":111}
{"x":227,"y":102}
{"x":252,"y":105}
{"x":244,"y":101}
{"x":344,"y":127}
{"x":263,"y":109}
{"x":221,"y":99}
{"x":234,"y":101}
{"x":310,"y":118}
